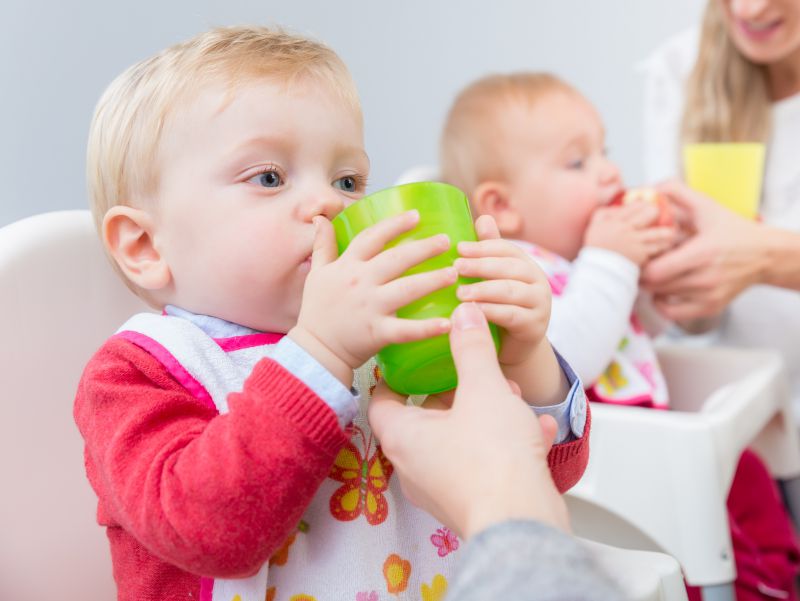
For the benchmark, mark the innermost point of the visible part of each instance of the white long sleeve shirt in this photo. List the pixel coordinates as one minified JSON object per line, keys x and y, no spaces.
{"x":594,"y":325}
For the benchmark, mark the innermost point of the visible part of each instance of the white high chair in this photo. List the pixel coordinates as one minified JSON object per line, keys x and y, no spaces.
{"x":667,"y":474}
{"x":60,"y":300}
{"x":659,"y":480}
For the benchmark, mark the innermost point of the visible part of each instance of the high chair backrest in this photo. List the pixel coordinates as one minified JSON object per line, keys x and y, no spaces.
{"x":59,"y":300}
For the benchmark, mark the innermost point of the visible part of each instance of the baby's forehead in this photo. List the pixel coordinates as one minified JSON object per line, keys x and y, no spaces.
{"x":557,"y":114}
{"x":233,"y":122}
{"x":222,"y":98}
{"x":218,"y":92}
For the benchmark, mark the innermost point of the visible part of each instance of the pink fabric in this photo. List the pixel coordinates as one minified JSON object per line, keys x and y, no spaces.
{"x":206,"y":589}
{"x":236,"y":343}
{"x":644,"y":400}
{"x":765,"y":545}
{"x":177,"y":370}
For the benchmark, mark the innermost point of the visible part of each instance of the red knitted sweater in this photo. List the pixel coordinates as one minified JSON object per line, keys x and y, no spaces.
{"x":184,"y":491}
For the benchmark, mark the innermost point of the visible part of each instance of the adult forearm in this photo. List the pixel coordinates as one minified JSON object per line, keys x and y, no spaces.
{"x":524,"y":560}
{"x":782,"y":258}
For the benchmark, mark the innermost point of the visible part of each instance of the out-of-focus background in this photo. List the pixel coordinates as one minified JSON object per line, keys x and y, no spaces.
{"x":408,"y":58}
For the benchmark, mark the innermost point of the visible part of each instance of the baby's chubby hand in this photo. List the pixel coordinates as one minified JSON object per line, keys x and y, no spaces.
{"x":629,"y":230}
{"x":349,"y":302}
{"x":514,"y":293}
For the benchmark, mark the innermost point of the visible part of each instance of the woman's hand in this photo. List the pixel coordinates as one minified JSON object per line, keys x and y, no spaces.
{"x":724,"y":255}
{"x":480,"y":462}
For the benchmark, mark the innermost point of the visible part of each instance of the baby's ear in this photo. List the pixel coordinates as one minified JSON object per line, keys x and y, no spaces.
{"x":128,"y":234}
{"x":494,"y":198}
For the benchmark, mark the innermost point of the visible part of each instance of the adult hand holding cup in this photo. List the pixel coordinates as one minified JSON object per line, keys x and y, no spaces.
{"x":481,"y":461}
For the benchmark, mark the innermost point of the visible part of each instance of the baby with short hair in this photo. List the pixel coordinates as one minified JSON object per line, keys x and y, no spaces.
{"x":529,"y":150}
{"x":229,"y":451}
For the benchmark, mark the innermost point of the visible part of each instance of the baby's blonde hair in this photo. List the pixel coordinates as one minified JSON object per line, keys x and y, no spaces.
{"x":122,"y":154}
{"x":470,"y":150}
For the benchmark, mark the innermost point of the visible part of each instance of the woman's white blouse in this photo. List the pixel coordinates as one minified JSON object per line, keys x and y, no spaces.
{"x":762,"y":316}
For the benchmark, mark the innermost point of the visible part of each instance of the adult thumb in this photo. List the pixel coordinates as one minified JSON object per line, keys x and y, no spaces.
{"x":473,"y":351}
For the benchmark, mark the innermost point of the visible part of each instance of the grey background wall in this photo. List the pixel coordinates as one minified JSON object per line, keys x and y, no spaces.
{"x":408,"y":58}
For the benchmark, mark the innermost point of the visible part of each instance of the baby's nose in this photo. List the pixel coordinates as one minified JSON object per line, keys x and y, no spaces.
{"x":327,"y":203}
{"x":609,"y":173}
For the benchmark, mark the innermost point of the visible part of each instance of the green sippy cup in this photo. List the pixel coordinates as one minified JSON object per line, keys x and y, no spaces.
{"x":424,"y":366}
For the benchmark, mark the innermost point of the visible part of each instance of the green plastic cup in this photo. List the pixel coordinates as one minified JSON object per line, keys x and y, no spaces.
{"x":424,"y":366}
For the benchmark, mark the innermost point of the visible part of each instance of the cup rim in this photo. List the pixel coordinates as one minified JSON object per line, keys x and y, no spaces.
{"x":724,"y":145}
{"x":369,"y":198}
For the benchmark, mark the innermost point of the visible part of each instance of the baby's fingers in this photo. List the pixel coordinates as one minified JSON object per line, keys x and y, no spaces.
{"x":497,"y":268}
{"x":508,"y":292}
{"x":324,"y":249}
{"x":491,"y":248}
{"x":509,"y":317}
{"x":486,"y":228}
{"x":395,"y":261}
{"x":372,"y":240}
{"x":405,"y":290}
{"x":395,"y":330}
{"x":639,"y":214}
{"x":659,"y":239}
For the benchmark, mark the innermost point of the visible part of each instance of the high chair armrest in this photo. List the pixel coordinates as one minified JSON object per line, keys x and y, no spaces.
{"x":642,"y":575}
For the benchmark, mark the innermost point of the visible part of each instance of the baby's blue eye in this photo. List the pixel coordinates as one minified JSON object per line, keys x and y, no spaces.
{"x":268,"y":179}
{"x":347,"y":184}
{"x":576,"y":164}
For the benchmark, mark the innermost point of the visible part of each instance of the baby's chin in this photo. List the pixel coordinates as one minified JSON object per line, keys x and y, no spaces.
{"x":273,"y":324}
{"x":570,"y":253}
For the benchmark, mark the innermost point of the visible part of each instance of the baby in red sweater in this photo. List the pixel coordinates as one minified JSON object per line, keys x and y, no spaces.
{"x":226,"y":437}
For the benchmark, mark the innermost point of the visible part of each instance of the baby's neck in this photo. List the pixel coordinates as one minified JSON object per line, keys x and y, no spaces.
{"x":212,"y":326}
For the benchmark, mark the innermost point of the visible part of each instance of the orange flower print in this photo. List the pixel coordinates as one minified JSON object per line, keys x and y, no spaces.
{"x":436,"y":591}
{"x":281,"y":556}
{"x":376,"y":373}
{"x":363,"y":483}
{"x":396,"y":572}
{"x":270,"y":594}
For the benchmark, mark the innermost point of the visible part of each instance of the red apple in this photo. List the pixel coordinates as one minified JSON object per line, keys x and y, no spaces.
{"x":624,"y":197}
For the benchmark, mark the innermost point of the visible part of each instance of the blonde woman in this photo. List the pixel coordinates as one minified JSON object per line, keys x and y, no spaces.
{"x":736,"y":80}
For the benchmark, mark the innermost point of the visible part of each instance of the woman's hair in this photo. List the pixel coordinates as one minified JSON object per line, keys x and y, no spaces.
{"x":727,"y":99}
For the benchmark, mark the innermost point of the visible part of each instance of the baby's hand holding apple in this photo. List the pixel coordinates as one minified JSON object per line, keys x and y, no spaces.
{"x":630,"y":230}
